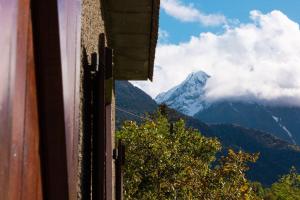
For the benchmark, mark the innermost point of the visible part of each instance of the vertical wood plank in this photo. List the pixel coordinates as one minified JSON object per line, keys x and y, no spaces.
{"x":69,"y":29}
{"x":99,"y":137}
{"x":7,"y":41}
{"x":50,"y":99}
{"x":98,"y":134}
{"x":19,"y":143}
{"x":32,"y":183}
{"x":18,"y":103}
{"x":120,"y":160}
{"x":109,"y":126}
{"x":86,"y":146}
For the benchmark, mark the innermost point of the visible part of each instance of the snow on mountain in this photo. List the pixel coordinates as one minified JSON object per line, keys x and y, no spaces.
{"x":277,"y":119}
{"x":188,"y":97}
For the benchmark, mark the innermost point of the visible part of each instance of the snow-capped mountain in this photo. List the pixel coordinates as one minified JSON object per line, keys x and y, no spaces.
{"x":132,"y":100}
{"x":188,"y":97}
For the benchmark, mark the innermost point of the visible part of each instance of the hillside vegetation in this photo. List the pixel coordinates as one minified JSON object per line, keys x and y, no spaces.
{"x":169,"y":161}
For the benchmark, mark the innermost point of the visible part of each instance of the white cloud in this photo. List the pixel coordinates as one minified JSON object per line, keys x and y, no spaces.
{"x":188,"y":13}
{"x":258,"y":60}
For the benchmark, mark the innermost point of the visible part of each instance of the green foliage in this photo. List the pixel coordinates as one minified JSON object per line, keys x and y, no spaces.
{"x":276,"y":156}
{"x":258,"y":189}
{"x":166,"y":161}
{"x":287,"y":187}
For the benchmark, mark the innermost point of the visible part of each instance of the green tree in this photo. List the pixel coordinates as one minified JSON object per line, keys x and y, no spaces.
{"x":258,"y":189}
{"x":165,"y":161}
{"x":286,"y":188}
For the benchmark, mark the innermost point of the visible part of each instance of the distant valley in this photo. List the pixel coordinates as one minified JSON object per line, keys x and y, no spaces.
{"x":189,"y":98}
{"x":276,"y":155}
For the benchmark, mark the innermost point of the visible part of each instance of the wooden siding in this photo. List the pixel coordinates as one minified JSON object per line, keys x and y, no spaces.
{"x":30,"y":114}
{"x":50,"y":99}
{"x":40,"y":97}
{"x":20,"y":176}
{"x":70,"y":33}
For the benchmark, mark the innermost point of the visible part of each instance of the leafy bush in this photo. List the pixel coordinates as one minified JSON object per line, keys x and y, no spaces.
{"x":166,"y":161}
{"x":286,"y":188}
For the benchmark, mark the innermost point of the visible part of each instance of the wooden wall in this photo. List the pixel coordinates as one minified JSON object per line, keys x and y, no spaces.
{"x":40,"y":103}
{"x":39,"y":98}
{"x":70,"y":34}
{"x":20,"y":174}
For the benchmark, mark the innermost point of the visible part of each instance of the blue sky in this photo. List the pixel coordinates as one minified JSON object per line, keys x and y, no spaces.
{"x":179,"y":31}
{"x":249,"y":48}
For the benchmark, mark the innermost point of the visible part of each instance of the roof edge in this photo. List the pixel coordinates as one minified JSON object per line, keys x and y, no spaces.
{"x":153,"y":36}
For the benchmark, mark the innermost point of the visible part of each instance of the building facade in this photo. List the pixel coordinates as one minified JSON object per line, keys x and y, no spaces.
{"x":58,"y":65}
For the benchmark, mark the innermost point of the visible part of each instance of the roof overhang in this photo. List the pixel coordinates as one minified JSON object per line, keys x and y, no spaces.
{"x":132,"y":30}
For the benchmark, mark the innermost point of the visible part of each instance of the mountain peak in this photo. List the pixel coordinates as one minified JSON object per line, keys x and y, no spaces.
{"x":197,"y":76}
{"x":187,"y":97}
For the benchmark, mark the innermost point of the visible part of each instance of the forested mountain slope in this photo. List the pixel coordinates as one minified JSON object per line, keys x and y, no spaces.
{"x":276,"y":155}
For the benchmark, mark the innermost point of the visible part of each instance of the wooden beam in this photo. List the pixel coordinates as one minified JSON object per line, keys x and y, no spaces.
{"x":98,"y":138}
{"x":69,"y":12}
{"x":108,"y":75}
{"x":109,"y":123}
{"x":50,"y":99}
{"x":32,"y":182}
{"x":120,"y":161}
{"x":86,"y":146}
{"x":19,"y":136}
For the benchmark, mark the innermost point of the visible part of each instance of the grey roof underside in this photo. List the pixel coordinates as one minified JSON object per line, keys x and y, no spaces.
{"x":132,"y":29}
